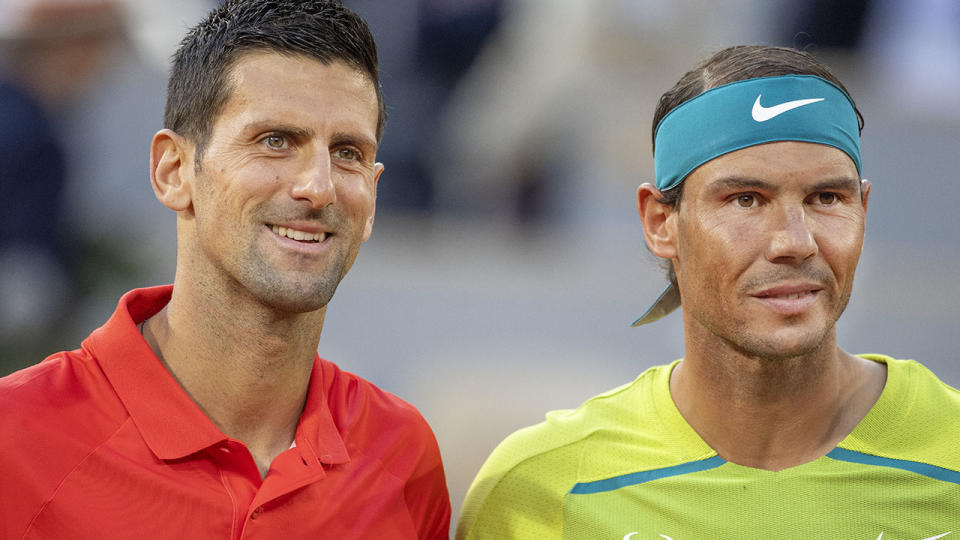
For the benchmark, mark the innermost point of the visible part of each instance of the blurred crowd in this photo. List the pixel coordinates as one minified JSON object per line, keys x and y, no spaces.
{"x":518,"y":131}
{"x":527,"y":112}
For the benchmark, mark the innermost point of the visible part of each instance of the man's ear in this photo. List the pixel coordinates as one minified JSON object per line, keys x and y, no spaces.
{"x":368,"y":228}
{"x":657,"y":218}
{"x":171,"y":169}
{"x":865,"y":193}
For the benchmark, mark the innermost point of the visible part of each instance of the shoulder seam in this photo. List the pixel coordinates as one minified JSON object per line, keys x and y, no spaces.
{"x":38,"y":370}
{"x":63,"y":480}
{"x":563,"y":498}
{"x":486,"y":499}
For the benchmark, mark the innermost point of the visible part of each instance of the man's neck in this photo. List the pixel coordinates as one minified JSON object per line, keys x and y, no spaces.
{"x":248,"y":369}
{"x":774,"y":413}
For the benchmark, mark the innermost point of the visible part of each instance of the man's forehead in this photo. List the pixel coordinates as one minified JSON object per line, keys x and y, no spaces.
{"x":264,"y":81}
{"x":257,"y":60}
{"x":773,"y":164}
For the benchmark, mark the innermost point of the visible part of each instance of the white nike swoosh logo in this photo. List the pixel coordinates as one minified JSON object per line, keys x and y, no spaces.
{"x":629,"y":536}
{"x":931,"y":538}
{"x":762,"y":114}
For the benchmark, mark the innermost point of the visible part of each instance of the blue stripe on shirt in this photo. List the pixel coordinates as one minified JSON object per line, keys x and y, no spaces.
{"x":632,"y":479}
{"x":931,"y":471}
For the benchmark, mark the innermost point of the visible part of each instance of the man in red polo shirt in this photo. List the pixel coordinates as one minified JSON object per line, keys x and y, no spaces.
{"x":201,"y":409}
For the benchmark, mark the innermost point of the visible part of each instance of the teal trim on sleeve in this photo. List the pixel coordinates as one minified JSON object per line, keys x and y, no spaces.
{"x":925,"y":469}
{"x":632,"y":479}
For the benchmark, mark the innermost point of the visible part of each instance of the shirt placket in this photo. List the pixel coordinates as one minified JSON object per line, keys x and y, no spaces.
{"x":290,"y":471}
{"x":240,"y":479}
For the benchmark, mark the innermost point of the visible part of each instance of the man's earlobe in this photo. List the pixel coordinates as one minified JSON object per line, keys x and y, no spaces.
{"x":656,"y":218}
{"x":171,"y":170}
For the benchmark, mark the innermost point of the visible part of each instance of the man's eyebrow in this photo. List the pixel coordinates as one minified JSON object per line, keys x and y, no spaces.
{"x":844,"y":183}
{"x":342,"y":137}
{"x":280,"y":127}
{"x":739,"y":183}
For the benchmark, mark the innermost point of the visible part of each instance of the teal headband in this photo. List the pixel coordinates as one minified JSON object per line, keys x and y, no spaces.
{"x":751,"y":112}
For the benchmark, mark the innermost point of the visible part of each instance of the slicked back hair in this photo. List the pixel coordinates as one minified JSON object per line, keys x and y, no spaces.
{"x":737,"y":63}
{"x":200,"y":85}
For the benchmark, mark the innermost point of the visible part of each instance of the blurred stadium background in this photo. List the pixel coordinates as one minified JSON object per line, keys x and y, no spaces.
{"x":507,"y":260}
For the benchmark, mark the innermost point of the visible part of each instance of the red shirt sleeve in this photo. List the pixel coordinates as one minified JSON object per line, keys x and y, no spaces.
{"x":426,"y":491}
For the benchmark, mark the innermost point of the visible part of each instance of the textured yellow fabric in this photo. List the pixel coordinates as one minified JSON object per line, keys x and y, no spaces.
{"x":626,"y":465}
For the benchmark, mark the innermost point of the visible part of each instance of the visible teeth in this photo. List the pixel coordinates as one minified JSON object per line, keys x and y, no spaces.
{"x":298,"y":235}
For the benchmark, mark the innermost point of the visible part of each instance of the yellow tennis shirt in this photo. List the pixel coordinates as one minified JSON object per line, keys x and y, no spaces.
{"x":626,"y":465}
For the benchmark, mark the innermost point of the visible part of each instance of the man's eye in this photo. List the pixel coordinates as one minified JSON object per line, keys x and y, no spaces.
{"x":827,"y":198}
{"x":746,"y":200}
{"x":275,"y":141}
{"x":348,"y":154}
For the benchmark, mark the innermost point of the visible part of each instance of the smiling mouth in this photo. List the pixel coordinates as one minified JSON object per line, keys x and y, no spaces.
{"x":789,"y":301}
{"x":300,"y":236}
{"x":787,"y":296}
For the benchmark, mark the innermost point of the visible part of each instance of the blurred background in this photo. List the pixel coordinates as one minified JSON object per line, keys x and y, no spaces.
{"x":507,"y":261}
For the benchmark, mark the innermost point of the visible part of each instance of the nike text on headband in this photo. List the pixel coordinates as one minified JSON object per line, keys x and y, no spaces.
{"x":742,"y":114}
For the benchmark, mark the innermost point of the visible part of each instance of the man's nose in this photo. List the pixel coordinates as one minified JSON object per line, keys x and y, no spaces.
{"x":315,"y":182}
{"x":792,"y":238}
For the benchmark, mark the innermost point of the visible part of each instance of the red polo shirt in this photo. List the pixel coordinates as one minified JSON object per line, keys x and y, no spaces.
{"x":102,"y":442}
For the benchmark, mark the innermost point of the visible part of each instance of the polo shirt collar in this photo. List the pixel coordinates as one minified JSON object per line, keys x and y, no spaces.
{"x":171,"y":424}
{"x":318,"y":438}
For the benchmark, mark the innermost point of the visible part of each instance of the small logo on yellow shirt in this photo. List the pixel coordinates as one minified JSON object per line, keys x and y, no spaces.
{"x":930,"y":538}
{"x":629,"y":536}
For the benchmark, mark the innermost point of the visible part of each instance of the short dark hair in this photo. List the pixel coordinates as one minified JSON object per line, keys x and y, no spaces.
{"x":737,"y":63}
{"x":199,"y":83}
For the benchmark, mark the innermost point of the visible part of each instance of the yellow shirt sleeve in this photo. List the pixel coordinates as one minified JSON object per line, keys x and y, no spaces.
{"x":519,"y":491}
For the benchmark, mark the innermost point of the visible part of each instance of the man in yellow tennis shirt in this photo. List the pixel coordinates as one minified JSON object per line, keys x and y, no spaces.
{"x":766,"y":428}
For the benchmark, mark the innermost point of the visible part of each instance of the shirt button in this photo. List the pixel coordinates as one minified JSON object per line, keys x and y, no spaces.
{"x":256,"y":512}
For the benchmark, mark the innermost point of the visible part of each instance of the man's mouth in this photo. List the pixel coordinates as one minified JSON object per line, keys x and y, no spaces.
{"x":300,"y":236}
{"x":791,"y":299}
{"x":786,"y":296}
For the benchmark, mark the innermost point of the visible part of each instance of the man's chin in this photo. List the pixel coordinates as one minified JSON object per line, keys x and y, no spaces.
{"x":295,"y":296}
{"x":780,"y":345}
{"x":297,"y":305}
